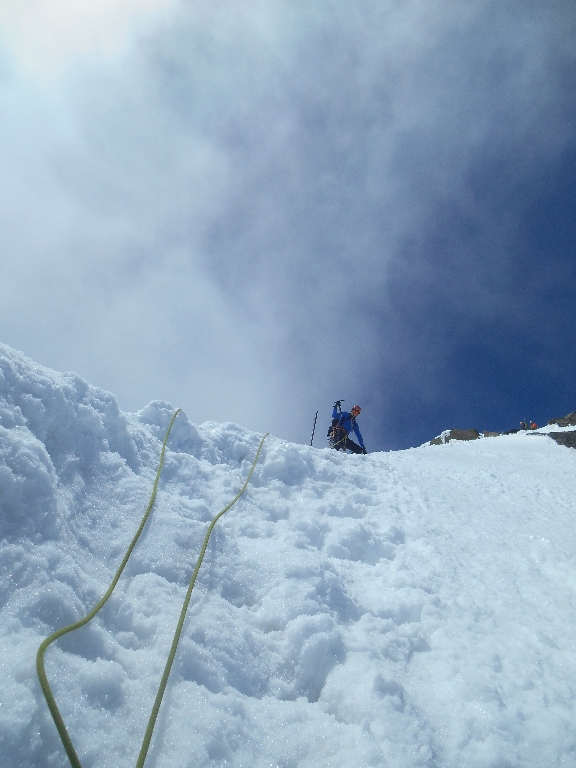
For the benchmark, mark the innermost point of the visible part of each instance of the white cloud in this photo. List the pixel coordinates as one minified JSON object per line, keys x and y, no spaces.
{"x":43,"y":35}
{"x":234,"y":192}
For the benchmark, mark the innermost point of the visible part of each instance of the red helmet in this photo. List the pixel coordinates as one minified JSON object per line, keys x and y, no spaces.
{"x":356,"y":410}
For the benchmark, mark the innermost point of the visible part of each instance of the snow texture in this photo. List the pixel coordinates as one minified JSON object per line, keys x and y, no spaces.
{"x":399,"y":609}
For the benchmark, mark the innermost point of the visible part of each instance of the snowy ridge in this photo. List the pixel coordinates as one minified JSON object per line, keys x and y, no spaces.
{"x":403,"y":609}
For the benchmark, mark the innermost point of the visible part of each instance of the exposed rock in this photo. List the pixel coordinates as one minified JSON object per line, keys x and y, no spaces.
{"x":564,"y":438}
{"x":455,"y":434}
{"x":566,"y":421}
{"x":491,"y":434}
{"x":463,"y":434}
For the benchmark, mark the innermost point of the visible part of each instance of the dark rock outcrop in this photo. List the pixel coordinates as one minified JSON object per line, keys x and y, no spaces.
{"x":463,"y":434}
{"x":564,"y":438}
{"x":457,"y":434}
{"x":566,"y":421}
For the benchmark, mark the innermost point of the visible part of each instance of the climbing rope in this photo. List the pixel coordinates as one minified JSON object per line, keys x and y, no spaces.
{"x":167,"y":668}
{"x":333,"y":434}
{"x":45,"y":685}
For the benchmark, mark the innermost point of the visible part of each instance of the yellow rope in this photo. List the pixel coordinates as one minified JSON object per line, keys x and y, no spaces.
{"x":44,"y":684}
{"x":171,"y":655}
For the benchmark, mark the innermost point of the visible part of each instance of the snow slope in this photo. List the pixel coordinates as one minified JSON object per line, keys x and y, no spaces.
{"x":402,"y":609}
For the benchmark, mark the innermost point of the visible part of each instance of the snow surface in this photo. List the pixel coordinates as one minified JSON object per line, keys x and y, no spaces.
{"x":399,"y":609}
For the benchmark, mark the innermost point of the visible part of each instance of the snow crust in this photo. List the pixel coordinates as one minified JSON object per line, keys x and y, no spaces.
{"x":403,"y":609}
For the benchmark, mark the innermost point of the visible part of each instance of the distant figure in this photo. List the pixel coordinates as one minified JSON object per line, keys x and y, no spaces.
{"x":533,"y":425}
{"x":342,"y":424}
{"x":524,"y":425}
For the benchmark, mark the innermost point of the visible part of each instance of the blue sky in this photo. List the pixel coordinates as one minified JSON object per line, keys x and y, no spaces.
{"x":253,"y":209}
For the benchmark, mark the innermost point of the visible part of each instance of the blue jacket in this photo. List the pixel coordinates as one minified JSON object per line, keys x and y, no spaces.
{"x":349,"y":423}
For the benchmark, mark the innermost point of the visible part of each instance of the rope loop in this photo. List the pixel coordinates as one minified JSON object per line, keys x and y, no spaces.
{"x":40,"y":668}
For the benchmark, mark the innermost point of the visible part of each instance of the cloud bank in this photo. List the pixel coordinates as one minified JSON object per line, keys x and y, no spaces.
{"x":254,"y":210}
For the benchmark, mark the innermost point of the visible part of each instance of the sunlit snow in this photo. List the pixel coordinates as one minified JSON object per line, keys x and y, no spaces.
{"x":402,"y":609}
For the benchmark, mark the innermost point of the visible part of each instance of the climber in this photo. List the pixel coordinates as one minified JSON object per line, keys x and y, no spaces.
{"x":342,"y":424}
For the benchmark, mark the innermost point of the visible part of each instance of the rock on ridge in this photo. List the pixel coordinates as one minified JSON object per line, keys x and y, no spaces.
{"x":566,"y":421}
{"x":564,"y":438}
{"x":455,"y":434}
